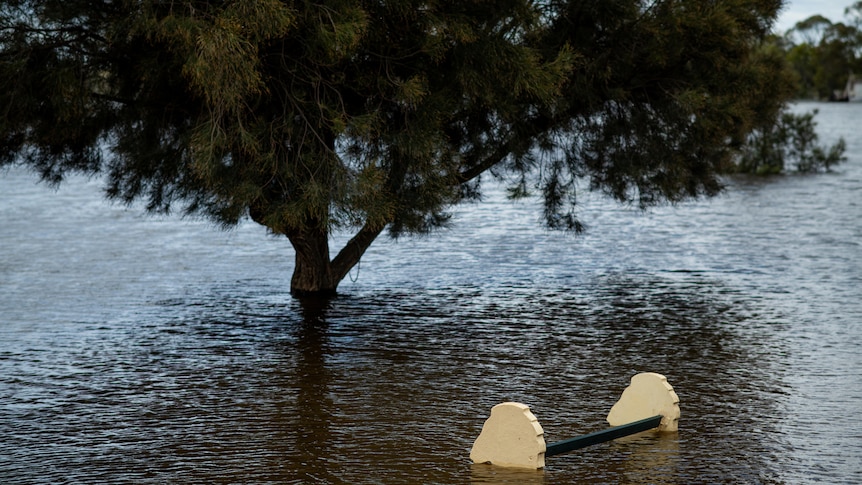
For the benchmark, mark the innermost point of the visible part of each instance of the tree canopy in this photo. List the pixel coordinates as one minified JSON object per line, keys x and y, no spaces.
{"x":824,"y":54}
{"x":367,"y":115}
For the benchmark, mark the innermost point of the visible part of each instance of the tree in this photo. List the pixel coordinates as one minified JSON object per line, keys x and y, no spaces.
{"x":812,"y":30}
{"x":826,"y":54}
{"x":791,"y":141}
{"x":854,"y":14}
{"x":802,"y":58}
{"x":364,"y":115}
{"x":837,"y":57}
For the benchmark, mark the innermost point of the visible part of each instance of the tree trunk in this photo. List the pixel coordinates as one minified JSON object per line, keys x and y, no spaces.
{"x":314,"y":273}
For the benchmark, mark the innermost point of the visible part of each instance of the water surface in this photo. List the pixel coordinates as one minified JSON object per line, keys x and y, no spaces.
{"x":161,"y":350}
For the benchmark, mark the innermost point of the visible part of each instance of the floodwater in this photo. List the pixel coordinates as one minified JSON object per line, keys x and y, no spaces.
{"x":139,"y":349}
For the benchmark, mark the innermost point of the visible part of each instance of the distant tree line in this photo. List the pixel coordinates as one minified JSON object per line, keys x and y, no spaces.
{"x":822,"y":57}
{"x":824,"y":54}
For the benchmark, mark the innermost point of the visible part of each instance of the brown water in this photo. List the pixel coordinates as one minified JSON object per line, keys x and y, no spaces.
{"x":158,"y":350}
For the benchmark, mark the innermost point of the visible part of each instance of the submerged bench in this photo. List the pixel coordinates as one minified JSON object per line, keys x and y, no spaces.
{"x":513,"y":437}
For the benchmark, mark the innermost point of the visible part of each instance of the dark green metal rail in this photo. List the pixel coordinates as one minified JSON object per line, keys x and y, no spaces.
{"x":572,"y":444}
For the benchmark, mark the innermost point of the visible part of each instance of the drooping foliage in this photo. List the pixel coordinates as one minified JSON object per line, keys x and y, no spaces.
{"x":311,"y":116}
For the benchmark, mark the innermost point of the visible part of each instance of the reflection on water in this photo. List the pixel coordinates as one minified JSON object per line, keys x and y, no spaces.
{"x":152,"y":350}
{"x":312,"y":412}
{"x":494,"y":475}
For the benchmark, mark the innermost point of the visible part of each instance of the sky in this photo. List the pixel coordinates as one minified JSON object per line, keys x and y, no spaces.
{"x":796,"y":10}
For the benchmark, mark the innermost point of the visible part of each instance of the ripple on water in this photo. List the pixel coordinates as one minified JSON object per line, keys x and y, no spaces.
{"x":161,"y":351}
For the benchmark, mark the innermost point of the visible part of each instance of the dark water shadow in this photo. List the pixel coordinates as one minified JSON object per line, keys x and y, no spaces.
{"x":310,"y":416}
{"x":496,"y":475}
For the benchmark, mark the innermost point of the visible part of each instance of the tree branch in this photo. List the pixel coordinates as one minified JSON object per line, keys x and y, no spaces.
{"x":353,"y":250}
{"x":526,"y":129}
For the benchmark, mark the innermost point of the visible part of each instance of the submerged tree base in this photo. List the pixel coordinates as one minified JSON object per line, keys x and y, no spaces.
{"x":321,"y":294}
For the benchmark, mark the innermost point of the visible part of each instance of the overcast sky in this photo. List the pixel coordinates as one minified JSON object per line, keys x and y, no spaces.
{"x":796,"y":10}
